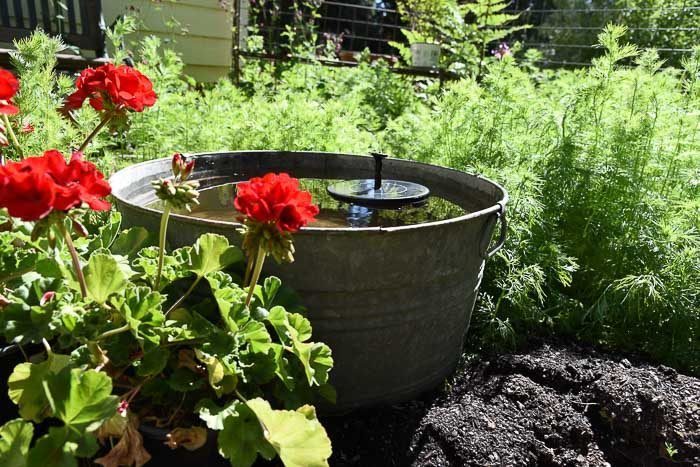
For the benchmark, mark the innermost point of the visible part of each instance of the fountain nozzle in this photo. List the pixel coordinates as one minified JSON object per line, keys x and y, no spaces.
{"x":378,"y":159}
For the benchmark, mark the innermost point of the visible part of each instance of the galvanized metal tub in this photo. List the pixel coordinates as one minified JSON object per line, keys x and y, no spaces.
{"x":394,"y":304}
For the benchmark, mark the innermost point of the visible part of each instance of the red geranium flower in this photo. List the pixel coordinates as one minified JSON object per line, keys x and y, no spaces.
{"x":26,"y":193}
{"x":275,"y":199}
{"x":115,"y":88}
{"x":78,"y":182}
{"x":8,"y":88}
{"x":31,"y":189}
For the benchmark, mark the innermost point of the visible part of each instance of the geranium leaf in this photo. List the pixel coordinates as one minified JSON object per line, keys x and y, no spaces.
{"x":26,"y":319}
{"x":26,"y":385}
{"x":321,"y":361}
{"x":213,"y":415}
{"x":255,"y":333}
{"x":230,"y":299}
{"x":14,"y":261}
{"x":130,"y":241}
{"x":142,"y":310}
{"x":53,"y":450}
{"x":273,"y":293}
{"x":61,"y":447}
{"x":242,"y":439}
{"x":221,"y":378}
{"x":268,"y":291}
{"x":153,"y":362}
{"x":282,"y":367}
{"x":184,"y":380}
{"x":146,"y":264}
{"x":293,"y":329}
{"x":301,"y":325}
{"x":83,"y":399}
{"x":104,"y":277}
{"x":108,"y":232}
{"x":297,"y":436}
{"x":15,"y":437}
{"x":212,"y":253}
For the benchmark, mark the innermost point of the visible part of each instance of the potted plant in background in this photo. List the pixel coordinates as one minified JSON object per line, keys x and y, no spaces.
{"x":423,"y":33}
{"x":124,"y":350}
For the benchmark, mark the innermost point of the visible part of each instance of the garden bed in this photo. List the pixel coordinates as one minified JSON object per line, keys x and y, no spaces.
{"x":555,"y":405}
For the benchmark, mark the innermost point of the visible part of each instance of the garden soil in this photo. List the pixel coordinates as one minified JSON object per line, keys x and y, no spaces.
{"x":552,"y":406}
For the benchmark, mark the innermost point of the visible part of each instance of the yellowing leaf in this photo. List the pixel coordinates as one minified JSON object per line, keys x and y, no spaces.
{"x":189,"y":438}
{"x":298,"y":437}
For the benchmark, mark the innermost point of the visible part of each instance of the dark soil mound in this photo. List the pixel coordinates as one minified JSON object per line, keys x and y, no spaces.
{"x":549,"y":407}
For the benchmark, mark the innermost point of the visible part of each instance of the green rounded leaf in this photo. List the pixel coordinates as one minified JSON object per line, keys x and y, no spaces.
{"x":15,"y":437}
{"x":104,"y":277}
{"x":26,"y":386}
{"x":82,"y":399}
{"x":212,"y":253}
{"x":153,"y":362}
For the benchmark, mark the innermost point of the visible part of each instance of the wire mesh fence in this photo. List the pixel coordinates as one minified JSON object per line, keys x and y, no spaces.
{"x":354,"y":24}
{"x":565,"y":31}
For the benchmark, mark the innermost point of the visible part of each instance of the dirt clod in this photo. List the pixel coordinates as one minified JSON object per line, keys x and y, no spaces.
{"x":552,"y":406}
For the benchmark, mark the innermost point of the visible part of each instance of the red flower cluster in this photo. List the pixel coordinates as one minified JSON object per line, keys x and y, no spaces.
{"x":8,"y":88}
{"x":31,"y":189}
{"x":275,"y":199}
{"x":110,"y":87}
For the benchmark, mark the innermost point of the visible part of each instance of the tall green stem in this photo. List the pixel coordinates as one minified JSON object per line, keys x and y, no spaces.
{"x":74,"y":257}
{"x":187,"y":294}
{"x":105,"y":120}
{"x":259,"y":260}
{"x":112,"y":332}
{"x":161,"y":242}
{"x":13,"y":136}
{"x":248,"y":271}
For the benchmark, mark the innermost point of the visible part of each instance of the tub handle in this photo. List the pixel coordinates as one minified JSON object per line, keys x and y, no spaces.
{"x":486,"y":240}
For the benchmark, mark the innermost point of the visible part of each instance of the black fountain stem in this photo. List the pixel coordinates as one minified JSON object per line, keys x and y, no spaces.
{"x":378,"y":158}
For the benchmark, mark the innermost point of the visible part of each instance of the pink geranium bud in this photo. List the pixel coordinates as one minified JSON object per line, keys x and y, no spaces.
{"x":187,"y":170}
{"x":123,"y":407}
{"x":4,"y":301}
{"x":47,"y":297}
{"x":177,"y":164}
{"x":80,"y":229}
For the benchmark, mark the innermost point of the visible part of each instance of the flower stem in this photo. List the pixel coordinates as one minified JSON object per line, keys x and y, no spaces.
{"x":105,"y":120}
{"x":240,"y":396}
{"x":187,"y":294}
{"x":248,"y":271}
{"x":259,"y":260}
{"x":113,"y":332}
{"x":161,"y":243}
{"x":74,"y":256}
{"x":47,"y":347}
{"x":13,"y":136}
{"x":24,"y":354}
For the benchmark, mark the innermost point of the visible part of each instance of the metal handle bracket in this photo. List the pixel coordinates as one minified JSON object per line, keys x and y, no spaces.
{"x":500,"y":215}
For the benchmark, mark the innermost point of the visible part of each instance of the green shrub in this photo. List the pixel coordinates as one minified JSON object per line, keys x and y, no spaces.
{"x":602,"y":166}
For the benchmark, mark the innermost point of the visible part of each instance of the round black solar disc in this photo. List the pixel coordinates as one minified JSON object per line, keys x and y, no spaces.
{"x":392,"y":194}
